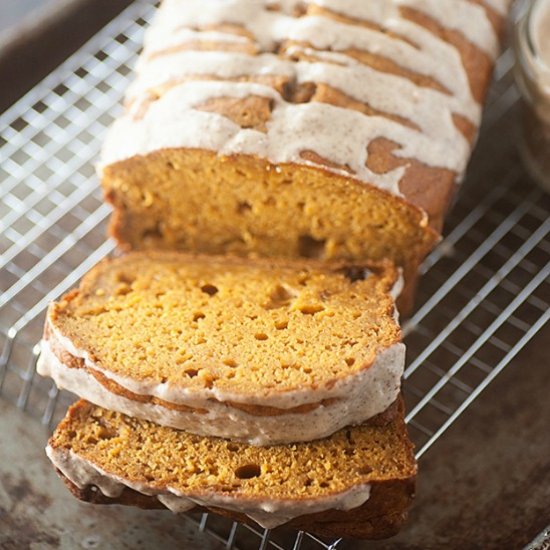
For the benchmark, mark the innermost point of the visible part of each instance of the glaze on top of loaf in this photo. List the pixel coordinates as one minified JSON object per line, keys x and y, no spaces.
{"x":333,"y":77}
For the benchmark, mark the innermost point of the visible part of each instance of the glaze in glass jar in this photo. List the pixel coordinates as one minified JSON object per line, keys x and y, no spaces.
{"x":532,"y":72}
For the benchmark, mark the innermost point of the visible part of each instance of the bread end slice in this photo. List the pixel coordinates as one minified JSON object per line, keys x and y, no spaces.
{"x":141,"y":464}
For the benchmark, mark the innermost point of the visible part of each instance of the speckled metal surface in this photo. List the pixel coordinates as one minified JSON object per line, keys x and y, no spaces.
{"x":487,"y":484}
{"x":35,"y":512}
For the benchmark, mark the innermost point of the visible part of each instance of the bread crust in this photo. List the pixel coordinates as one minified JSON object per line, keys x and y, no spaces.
{"x":381,"y":516}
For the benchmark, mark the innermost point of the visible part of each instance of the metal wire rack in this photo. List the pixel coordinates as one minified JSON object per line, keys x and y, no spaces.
{"x":484,"y":293}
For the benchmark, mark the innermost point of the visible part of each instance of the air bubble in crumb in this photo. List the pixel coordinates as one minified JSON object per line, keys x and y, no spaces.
{"x":209,"y":289}
{"x":311,"y":309}
{"x":248,"y":471}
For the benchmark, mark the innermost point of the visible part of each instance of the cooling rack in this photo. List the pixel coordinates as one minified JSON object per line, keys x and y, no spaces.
{"x":484,"y":295}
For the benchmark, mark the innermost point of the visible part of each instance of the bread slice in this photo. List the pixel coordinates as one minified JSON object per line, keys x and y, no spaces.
{"x":325,"y":129}
{"x":357,"y":483}
{"x":264,"y":351}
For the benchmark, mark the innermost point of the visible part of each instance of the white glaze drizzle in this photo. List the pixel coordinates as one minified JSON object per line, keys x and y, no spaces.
{"x":157,"y":40}
{"x":371,"y":392}
{"x":165,"y":69}
{"x":268,"y":27}
{"x":369,"y":86}
{"x":426,"y":59}
{"x":293,"y":128}
{"x":461,"y":15}
{"x":173,"y":120}
{"x":359,"y":81}
{"x":267,"y":512}
{"x":468,"y":18}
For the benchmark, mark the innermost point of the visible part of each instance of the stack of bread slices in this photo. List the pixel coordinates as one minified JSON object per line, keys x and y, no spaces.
{"x":279,"y":172}
{"x":264,"y":388}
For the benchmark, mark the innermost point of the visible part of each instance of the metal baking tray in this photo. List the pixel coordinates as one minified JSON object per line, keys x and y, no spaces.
{"x":483,"y":296}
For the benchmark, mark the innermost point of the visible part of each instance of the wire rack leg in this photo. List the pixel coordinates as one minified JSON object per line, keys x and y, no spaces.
{"x":265,"y":539}
{"x":231,"y":537}
{"x":298,"y":541}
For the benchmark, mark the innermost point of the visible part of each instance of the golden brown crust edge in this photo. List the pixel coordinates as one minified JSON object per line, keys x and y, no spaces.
{"x":382,"y":268}
{"x":378,"y":518}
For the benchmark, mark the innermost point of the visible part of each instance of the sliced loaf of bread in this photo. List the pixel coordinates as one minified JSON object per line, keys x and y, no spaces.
{"x":326,"y":128}
{"x":263,"y":351}
{"x":357,"y":483}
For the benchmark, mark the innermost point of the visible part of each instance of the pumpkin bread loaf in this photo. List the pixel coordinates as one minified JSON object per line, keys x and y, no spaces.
{"x":265,"y":351}
{"x":320,"y":128}
{"x":356,"y":483}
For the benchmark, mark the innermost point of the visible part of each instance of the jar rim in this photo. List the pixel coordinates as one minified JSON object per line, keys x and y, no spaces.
{"x":533,"y":11}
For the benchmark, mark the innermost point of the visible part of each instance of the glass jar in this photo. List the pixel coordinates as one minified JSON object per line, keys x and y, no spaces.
{"x":532,"y":73}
